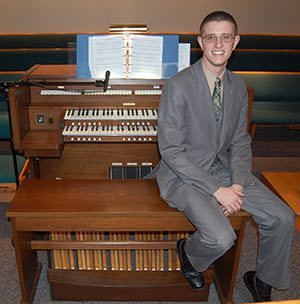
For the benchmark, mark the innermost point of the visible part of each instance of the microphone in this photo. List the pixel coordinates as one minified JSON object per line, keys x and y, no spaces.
{"x":106,"y":80}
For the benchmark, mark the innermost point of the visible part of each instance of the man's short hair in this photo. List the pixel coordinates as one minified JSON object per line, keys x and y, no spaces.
{"x":218,"y":16}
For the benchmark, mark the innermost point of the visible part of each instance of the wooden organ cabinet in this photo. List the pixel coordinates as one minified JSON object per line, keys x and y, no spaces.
{"x":107,"y":237}
{"x":72,"y":129}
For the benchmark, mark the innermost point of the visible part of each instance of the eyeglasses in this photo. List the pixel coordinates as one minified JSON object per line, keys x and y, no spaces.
{"x":212,"y":38}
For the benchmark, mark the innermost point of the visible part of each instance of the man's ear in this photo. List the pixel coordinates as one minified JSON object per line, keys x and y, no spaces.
{"x":200,"y":41}
{"x":236,"y":41}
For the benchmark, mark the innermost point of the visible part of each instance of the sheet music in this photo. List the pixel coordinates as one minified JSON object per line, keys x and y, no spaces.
{"x":145,"y":57}
{"x":184,"y":51}
{"x":107,"y":53}
{"x":133,"y":56}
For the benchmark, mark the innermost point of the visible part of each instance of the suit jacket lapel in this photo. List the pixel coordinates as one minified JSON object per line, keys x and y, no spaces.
{"x":228,"y":103}
{"x":204,"y":94}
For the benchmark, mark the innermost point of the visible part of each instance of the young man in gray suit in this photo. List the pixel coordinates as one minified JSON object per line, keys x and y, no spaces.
{"x":205,"y":167}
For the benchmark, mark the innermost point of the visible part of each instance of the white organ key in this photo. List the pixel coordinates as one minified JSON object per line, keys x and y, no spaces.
{"x":110,"y":114}
{"x":59,"y":92}
{"x":85,"y":92}
{"x":148,"y":92}
{"x":108,"y":92}
{"x":109,"y":131}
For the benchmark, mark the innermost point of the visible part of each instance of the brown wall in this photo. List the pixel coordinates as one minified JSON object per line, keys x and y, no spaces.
{"x":44,"y":16}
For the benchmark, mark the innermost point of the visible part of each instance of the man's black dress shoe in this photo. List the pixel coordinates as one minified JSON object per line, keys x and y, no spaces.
{"x":261,"y":292}
{"x":194,"y":277}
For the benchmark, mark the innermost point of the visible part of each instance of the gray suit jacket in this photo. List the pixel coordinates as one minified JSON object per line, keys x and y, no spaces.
{"x":189,"y":140}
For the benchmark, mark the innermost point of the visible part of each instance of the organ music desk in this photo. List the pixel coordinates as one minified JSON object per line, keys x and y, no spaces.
{"x":109,"y":240}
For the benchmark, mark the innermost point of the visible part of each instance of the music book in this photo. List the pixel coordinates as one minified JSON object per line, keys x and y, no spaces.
{"x":126,"y":56}
{"x":170,"y":54}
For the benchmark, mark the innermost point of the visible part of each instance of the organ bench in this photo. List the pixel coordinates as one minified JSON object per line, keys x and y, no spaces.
{"x":109,"y":240}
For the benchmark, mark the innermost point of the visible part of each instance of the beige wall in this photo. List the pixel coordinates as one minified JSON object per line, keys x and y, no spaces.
{"x":42,"y":16}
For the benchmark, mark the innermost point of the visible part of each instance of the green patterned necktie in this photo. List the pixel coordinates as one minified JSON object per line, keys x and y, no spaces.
{"x":216,"y":97}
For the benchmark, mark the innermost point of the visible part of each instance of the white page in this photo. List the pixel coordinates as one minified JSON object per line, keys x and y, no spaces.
{"x":184,"y":54}
{"x":107,"y":53}
{"x":146,"y":56}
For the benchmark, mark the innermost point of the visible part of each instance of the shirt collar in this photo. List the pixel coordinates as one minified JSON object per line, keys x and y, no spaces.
{"x":210,"y":77}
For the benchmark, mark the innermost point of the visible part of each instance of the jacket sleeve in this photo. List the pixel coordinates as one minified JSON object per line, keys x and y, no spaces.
{"x":240,"y":149}
{"x":171,"y":140}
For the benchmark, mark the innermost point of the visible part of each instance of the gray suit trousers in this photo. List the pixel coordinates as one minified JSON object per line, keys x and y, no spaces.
{"x":215,"y":236}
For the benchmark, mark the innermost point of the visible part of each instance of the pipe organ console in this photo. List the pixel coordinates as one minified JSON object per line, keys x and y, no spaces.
{"x":70,"y":128}
{"x":106,"y":238}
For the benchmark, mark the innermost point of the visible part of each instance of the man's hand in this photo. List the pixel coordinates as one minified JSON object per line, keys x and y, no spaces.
{"x":230,"y":198}
{"x":237,"y":187}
